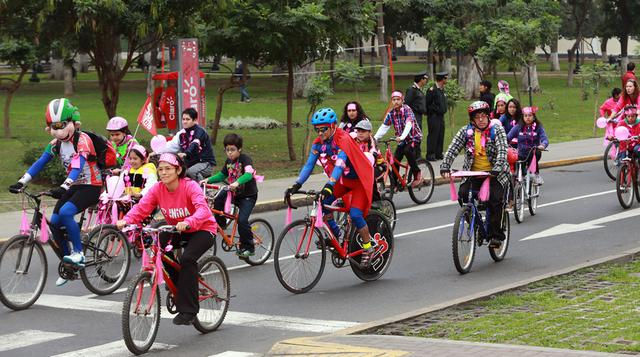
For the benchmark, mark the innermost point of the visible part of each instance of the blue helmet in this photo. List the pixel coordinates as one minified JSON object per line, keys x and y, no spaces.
{"x":324,"y":116}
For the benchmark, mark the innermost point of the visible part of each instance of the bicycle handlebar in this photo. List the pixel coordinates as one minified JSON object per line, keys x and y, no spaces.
{"x":287,"y":197}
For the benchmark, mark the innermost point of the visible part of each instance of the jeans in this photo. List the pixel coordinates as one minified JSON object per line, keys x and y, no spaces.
{"x":199,"y":171}
{"x":244,"y":94}
{"x":245,"y":207}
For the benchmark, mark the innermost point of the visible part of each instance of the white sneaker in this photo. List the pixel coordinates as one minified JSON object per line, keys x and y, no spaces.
{"x":538,"y":180}
{"x":61,"y":281}
{"x":76,"y":258}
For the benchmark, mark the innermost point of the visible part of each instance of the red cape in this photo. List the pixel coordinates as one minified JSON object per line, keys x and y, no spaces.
{"x":359,"y":162}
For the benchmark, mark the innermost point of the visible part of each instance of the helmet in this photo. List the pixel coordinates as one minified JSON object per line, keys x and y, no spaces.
{"x":478,"y":106}
{"x":60,"y":110}
{"x":324,"y":116}
{"x":630,"y":110}
{"x":502,"y":97}
{"x":117,"y":123}
{"x":364,"y":125}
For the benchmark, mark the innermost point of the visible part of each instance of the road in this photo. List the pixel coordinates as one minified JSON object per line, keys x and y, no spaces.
{"x":69,"y":321}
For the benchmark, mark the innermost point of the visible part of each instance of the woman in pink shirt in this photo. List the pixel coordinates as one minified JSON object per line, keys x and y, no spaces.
{"x":630,"y":96}
{"x":183,"y":204}
{"x":607,"y":107}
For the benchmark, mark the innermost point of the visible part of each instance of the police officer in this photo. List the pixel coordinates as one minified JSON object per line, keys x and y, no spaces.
{"x":416,"y":99}
{"x":436,"y":103}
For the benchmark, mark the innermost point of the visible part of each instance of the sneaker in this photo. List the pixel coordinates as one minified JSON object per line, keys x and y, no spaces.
{"x":61,"y":281}
{"x":184,"y":318}
{"x":365,"y":257}
{"x":417,"y":181}
{"x":538,"y":180}
{"x":76,"y":258}
{"x":495,"y":243}
{"x":244,"y":253}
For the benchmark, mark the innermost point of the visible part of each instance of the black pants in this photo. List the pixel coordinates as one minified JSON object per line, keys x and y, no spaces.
{"x":435,"y":138}
{"x":198,"y":243}
{"x":245,"y":207}
{"x":494,"y":206}
{"x":412,"y":152}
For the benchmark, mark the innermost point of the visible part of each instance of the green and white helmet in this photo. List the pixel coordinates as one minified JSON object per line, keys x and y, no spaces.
{"x":61,"y":110}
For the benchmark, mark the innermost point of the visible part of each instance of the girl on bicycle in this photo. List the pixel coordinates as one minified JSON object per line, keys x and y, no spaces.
{"x":238,"y":171}
{"x":121,"y":137}
{"x":530,"y":135}
{"x":142,"y":175}
{"x":630,"y":96}
{"x":182,"y":204}
{"x":352,"y":115}
{"x":632,"y":123}
{"x":511,"y":118}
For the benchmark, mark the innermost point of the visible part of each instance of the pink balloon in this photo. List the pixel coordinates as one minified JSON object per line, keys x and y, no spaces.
{"x":158,"y":142}
{"x":601,"y":123}
{"x":622,"y":133}
{"x":115,"y":187}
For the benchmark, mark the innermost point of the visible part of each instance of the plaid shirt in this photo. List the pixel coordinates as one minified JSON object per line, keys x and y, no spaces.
{"x":398,"y":119}
{"x":496,"y":152}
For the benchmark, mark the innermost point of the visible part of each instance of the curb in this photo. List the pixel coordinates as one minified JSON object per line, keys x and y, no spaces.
{"x":274,"y":205}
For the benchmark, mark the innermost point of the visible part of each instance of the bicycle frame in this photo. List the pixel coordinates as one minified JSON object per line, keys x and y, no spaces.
{"x":391,"y":167}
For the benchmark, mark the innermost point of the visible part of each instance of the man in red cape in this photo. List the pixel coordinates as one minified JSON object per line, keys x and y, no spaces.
{"x":349,"y":171}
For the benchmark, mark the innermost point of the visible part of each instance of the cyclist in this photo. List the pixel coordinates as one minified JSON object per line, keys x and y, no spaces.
{"x":193,"y":145}
{"x":609,"y":105}
{"x":142,"y":175}
{"x":351,"y":116}
{"x":349,"y":171}
{"x":631,"y":122}
{"x":182,"y":204}
{"x":82,"y":186}
{"x":121,"y":138}
{"x":363,"y":138}
{"x":630,"y":96}
{"x":408,"y":135}
{"x":530,"y":134}
{"x":485,"y":150}
{"x":239,"y":172}
{"x":511,"y":118}
{"x":501,"y":101}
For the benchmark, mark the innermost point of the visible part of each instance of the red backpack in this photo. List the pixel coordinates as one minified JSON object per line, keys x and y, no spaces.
{"x":105,"y":152}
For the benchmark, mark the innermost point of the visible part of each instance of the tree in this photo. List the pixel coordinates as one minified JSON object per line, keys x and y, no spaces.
{"x":352,"y":74}
{"x":596,"y":77}
{"x":576,"y":24}
{"x":316,"y":91}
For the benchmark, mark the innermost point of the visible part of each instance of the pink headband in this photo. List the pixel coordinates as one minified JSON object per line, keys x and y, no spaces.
{"x":351,"y":106}
{"x":631,"y":111}
{"x":529,"y":110}
{"x":140,"y":149}
{"x":169,"y":159}
{"x":396,"y":93}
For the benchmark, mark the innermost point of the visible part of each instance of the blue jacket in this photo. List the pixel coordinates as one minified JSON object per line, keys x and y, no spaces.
{"x":528,"y":137}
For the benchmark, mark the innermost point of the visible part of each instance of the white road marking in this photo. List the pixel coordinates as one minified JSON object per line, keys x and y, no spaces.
{"x":423,"y":230}
{"x":245,"y":319}
{"x":112,"y":349}
{"x":27,"y":338}
{"x":427,"y":206}
{"x":236,"y":354}
{"x":576,"y":198}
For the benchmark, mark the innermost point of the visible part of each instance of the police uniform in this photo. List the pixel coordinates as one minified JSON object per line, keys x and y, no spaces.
{"x":436,"y":105}
{"x":416,"y":99}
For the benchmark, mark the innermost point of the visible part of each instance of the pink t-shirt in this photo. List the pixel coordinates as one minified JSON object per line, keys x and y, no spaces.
{"x":186,"y":204}
{"x":607,"y":107}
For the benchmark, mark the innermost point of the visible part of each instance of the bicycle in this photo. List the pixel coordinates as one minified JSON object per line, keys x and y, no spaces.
{"x":395,"y":181}
{"x":295,"y":244}
{"x":627,"y":178}
{"x":263,"y":236}
{"x":141,"y":308}
{"x":384,"y":206}
{"x":609,"y":158}
{"x":22,"y":257}
{"x":470,"y":228}
{"x":525,"y":189}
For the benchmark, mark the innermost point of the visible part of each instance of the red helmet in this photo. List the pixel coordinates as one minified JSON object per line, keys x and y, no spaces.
{"x":478,"y":106}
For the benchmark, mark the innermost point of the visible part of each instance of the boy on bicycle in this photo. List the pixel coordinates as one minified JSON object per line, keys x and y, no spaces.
{"x":363,"y":138}
{"x":82,"y":186}
{"x":349,"y":171}
{"x":485,"y":150}
{"x":408,"y":135}
{"x":239,"y":172}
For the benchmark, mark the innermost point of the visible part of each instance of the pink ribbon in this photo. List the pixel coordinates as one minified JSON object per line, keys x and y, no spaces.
{"x":319,"y":221}
{"x":159,"y":265}
{"x":24,"y":224}
{"x":289,"y":217}
{"x":114,"y":212}
{"x":44,"y":227}
{"x":227,"y":202}
{"x":533,"y":166}
{"x":452,"y":190}
{"x":483,"y":195}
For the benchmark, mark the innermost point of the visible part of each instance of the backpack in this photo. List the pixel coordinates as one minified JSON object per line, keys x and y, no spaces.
{"x":105,"y":152}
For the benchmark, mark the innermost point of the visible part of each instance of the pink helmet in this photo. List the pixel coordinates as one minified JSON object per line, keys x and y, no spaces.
{"x":117,"y":123}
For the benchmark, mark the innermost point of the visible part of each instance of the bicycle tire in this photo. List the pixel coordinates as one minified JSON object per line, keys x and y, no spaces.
{"x":534,"y":194}
{"x":422,"y":194}
{"x":281,"y":254}
{"x":377,"y":223}
{"x":213,"y":269}
{"x":518,"y":202}
{"x":610,"y":167}
{"x":499,"y":254}
{"x":625,"y":186}
{"x":105,"y":248}
{"x":143,"y":281}
{"x":388,"y":209}
{"x":19,"y":242}
{"x":264,"y":245}
{"x":385,"y":185}
{"x":461,"y":226}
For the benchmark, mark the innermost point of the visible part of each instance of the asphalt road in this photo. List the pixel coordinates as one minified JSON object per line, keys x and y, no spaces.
{"x":70,"y":321}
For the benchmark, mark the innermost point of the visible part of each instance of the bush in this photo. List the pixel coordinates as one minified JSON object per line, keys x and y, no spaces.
{"x":250,"y":123}
{"x":53,"y":174}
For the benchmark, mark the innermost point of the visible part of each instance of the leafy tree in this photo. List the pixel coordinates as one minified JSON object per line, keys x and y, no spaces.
{"x":596,"y":76}
{"x":316,"y":90}
{"x":351,"y":74}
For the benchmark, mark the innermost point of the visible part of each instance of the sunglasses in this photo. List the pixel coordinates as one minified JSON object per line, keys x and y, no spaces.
{"x":59,"y":125}
{"x":322,"y":130}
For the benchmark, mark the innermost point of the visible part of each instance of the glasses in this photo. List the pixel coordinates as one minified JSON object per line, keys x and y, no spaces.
{"x":59,"y":125}
{"x":322,"y":130}
{"x":481,"y":116}
{"x":231,"y":149}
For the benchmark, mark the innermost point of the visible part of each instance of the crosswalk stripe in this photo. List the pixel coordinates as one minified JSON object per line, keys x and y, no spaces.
{"x":112,"y":349}
{"x":245,"y":319}
{"x":27,"y":338}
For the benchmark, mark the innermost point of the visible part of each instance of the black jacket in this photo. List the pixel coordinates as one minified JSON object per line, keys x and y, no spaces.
{"x":436,"y":101}
{"x":416,"y":100}
{"x":488,"y":98}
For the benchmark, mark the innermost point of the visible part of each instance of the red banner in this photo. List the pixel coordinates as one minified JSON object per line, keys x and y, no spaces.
{"x":191,"y":96}
{"x":169,"y":107}
{"x":145,"y":118}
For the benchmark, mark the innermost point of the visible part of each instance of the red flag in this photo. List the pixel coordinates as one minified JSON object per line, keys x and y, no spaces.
{"x":145,"y":118}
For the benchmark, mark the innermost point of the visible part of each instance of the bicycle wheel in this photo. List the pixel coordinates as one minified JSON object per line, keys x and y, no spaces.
{"x":385,"y":186}
{"x":610,"y":167}
{"x":297,"y":270}
{"x":388,"y":209}
{"x":464,"y":240}
{"x":214,"y":294}
{"x":141,"y":314}
{"x":625,"y":186}
{"x":23,"y":272}
{"x":378,"y":225}
{"x":262,"y":241}
{"x":422,"y":193}
{"x":107,"y":260}
{"x":534,"y":193}
{"x":499,"y":253}
{"x":518,"y":202}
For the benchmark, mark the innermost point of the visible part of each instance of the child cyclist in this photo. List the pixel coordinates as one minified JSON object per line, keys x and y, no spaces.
{"x":182,"y":204}
{"x":239,"y":172}
{"x":82,"y":186}
{"x":141,"y":175}
{"x":530,"y":134}
{"x":365,"y":141}
{"x":632,"y":123}
{"x":408,"y":135}
{"x":121,"y":138}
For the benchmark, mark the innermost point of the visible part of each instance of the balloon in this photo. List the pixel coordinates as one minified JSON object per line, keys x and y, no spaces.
{"x":622,"y":133}
{"x":158,"y":142}
{"x":115,"y":187}
{"x":601,"y":122}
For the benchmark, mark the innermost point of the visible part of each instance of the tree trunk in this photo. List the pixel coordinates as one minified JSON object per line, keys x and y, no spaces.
{"x":555,"y":61}
{"x":332,"y":67}
{"x":7,"y":102}
{"x":68,"y":81}
{"x":570,"y":54}
{"x":516,"y":86}
{"x":215,"y":126}
{"x":300,"y":80}
{"x":307,"y":137}
{"x":535,"y":83}
{"x":603,"y":49}
{"x":292,"y":153}
{"x":624,"y":48}
{"x":446,"y":64}
{"x":384,"y":58}
{"x":57,"y":69}
{"x":372,"y":61}
{"x":153,"y":64}
{"x":430,"y":61}
{"x":469,"y":77}
{"x":596,"y":100}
